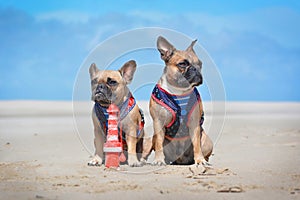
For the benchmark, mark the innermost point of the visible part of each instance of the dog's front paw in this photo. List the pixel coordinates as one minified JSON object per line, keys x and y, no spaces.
{"x":133,"y":161}
{"x":143,"y":161}
{"x":159,"y":159}
{"x":206,"y":164}
{"x":96,"y":161}
{"x":159,"y":163}
{"x":197,"y":169}
{"x":135,"y":164}
{"x":203,"y":162}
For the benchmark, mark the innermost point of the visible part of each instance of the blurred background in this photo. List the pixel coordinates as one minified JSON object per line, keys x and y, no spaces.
{"x":254,"y":44}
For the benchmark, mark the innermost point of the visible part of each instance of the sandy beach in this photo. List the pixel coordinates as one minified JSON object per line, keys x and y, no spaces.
{"x":42,"y":156}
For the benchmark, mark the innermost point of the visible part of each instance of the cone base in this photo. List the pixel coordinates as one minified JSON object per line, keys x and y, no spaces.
{"x":112,"y":160}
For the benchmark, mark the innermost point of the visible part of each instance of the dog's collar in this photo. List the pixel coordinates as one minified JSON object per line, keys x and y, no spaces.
{"x":185,"y":94}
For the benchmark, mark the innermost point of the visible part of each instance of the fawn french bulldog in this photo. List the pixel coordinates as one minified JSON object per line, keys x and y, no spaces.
{"x":176,"y":109}
{"x":110,"y":86}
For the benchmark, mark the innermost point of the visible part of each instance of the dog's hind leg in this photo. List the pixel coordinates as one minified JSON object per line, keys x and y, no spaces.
{"x":206,"y":145}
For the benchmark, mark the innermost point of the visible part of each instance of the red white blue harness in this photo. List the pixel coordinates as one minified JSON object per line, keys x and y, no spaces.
{"x":125,"y":108}
{"x":181,"y":108}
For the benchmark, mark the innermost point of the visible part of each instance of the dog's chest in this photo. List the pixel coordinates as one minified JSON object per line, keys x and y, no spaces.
{"x":125,"y":108}
{"x":181,"y":108}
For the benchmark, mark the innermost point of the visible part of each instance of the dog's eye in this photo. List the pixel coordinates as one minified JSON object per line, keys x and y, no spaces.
{"x":183,"y":64}
{"x":111,"y":82}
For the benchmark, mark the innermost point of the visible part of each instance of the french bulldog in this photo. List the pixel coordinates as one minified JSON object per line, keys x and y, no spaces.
{"x":176,"y":109}
{"x":110,"y":86}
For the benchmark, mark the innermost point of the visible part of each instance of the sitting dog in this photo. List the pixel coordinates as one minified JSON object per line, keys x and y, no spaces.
{"x":109,"y":86}
{"x":176,"y":109}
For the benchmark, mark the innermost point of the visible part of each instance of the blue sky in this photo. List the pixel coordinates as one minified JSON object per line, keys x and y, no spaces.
{"x":255,"y":44}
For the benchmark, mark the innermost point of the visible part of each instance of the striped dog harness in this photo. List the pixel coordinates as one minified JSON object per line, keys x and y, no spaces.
{"x":125,"y":108}
{"x":181,"y":108}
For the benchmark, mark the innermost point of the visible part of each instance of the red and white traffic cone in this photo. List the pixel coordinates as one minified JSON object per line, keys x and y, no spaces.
{"x":112,"y":146}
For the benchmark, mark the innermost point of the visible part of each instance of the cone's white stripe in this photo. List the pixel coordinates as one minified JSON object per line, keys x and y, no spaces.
{"x":112,"y":138}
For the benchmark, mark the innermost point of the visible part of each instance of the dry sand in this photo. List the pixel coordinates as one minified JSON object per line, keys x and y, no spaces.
{"x":41,"y":157}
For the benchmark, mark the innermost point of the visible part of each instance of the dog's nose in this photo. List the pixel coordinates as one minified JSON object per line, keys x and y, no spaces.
{"x":201,"y":79}
{"x":100,"y":87}
{"x":192,"y":69}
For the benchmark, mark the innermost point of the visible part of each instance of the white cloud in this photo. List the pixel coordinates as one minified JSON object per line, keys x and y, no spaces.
{"x":276,"y":23}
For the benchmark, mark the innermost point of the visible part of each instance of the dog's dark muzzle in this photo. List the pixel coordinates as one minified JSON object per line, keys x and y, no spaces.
{"x":193,"y":76}
{"x":103,"y":93}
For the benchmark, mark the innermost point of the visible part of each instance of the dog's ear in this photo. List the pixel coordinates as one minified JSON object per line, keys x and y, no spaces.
{"x":165,"y":48}
{"x":127,"y":71}
{"x":93,"y":70}
{"x":190,"y":48}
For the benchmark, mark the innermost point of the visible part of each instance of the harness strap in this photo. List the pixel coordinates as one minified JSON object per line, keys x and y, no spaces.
{"x":125,"y":108}
{"x":181,"y":107}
